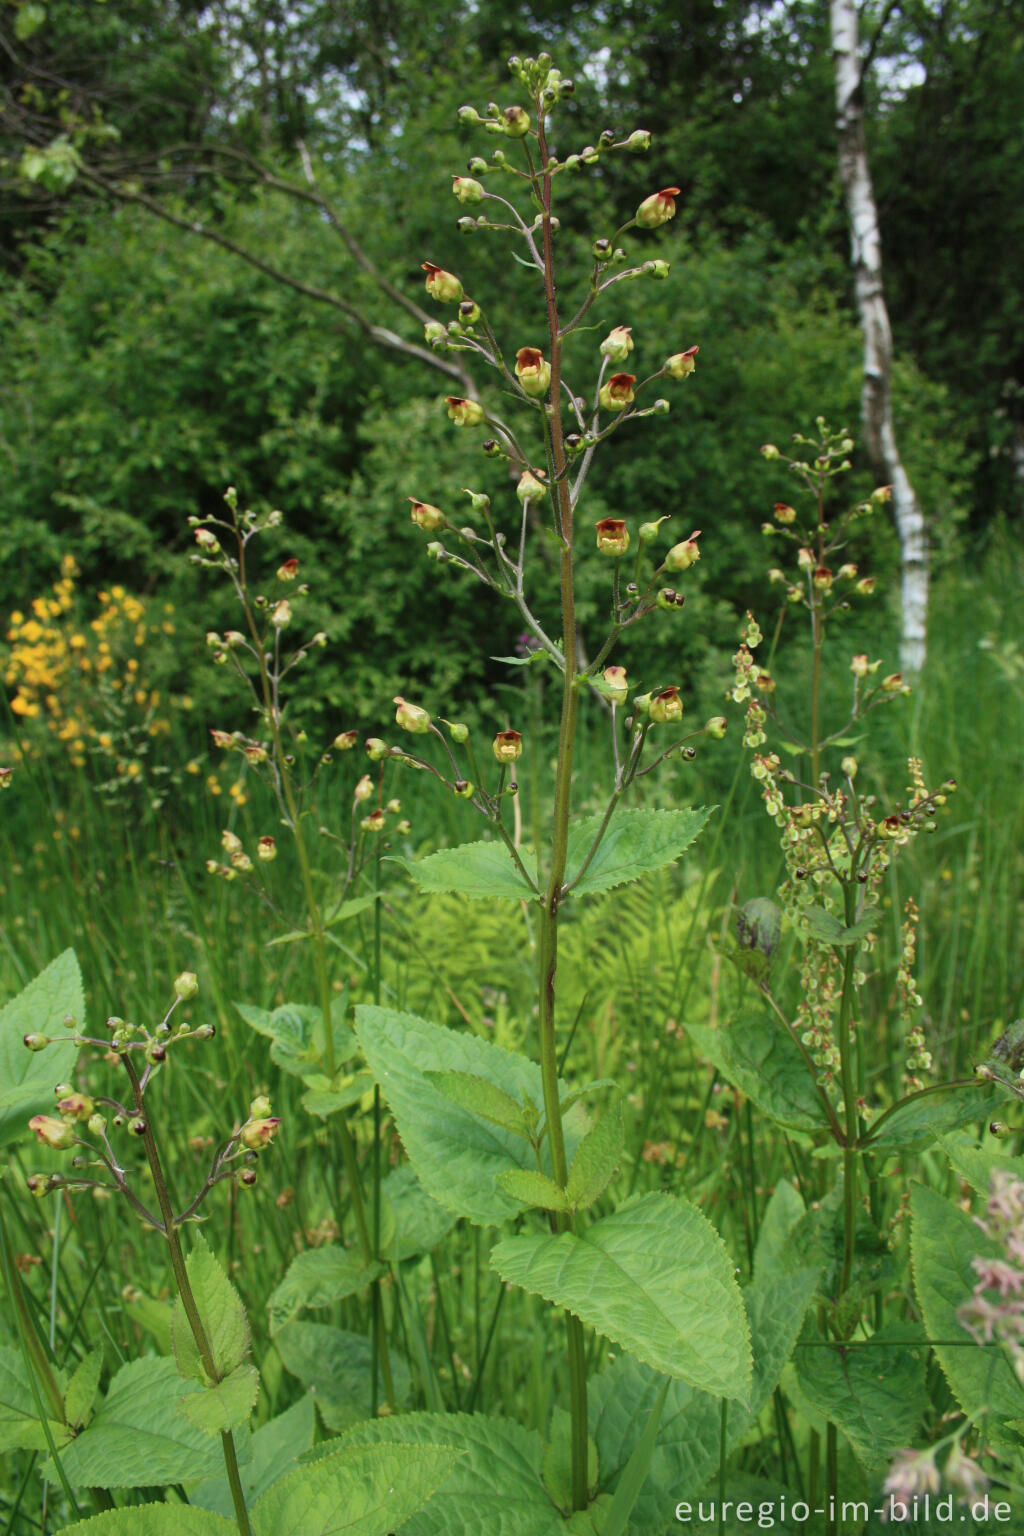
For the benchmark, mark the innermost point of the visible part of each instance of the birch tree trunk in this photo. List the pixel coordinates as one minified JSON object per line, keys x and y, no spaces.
{"x":876,"y":395}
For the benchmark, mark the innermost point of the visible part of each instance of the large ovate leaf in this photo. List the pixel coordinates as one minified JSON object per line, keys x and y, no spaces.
{"x":637,"y":841}
{"x":760,"y":1058}
{"x":222,"y":1315}
{"x":916,"y":1124}
{"x":944,"y":1243}
{"x":336,"y":1367}
{"x":275,"y":1450}
{"x":225,"y":1405}
{"x":296,"y":1031}
{"x":317,"y":1278}
{"x":977,"y":1164}
{"x":359,"y":1490}
{"x":655,"y":1278}
{"x":20,"y":1429}
{"x":688,"y":1443}
{"x":482,"y":1098}
{"x":457,"y":1155}
{"x":774,"y":1252}
{"x":873,"y":1390}
{"x":478,"y":870}
{"x":494,"y":1489}
{"x":137,"y":1437}
{"x":154,"y":1520}
{"x":27,"y":1077}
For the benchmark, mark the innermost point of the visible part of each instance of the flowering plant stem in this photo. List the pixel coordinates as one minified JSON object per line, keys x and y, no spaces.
{"x":184,"y":1288}
{"x":554,"y":891}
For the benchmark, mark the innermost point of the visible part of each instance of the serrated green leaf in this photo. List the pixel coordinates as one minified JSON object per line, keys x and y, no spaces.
{"x":495,"y":1488}
{"x":275,"y":1450}
{"x":475,"y":1093}
{"x":827,"y":928}
{"x":533,"y":1188}
{"x":687,"y":1447}
{"x":760,"y":1058}
{"x":419,"y":1221}
{"x":336,"y":1366}
{"x":597,"y":1157}
{"x":359,"y":1490}
{"x":82,"y":1388}
{"x":556,"y":1467}
{"x":222,"y":1314}
{"x":637,"y":841}
{"x":574,"y":1097}
{"x":27,"y":1076}
{"x":773,"y":1254}
{"x":655,"y":1278}
{"x":317,"y":1278}
{"x":153,"y":1520}
{"x":138,"y":1439}
{"x":976,"y":1165}
{"x":944,"y":1242}
{"x":20,"y":1429}
{"x":456,"y":1155}
{"x":225,"y":1405}
{"x":874,"y":1392}
{"x":477,"y":870}
{"x":918,"y":1123}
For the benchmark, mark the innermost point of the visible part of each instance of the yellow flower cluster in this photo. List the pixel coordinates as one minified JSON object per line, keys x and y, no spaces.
{"x":82,"y":680}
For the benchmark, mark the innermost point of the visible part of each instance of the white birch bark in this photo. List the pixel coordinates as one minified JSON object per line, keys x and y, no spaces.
{"x":876,"y":395}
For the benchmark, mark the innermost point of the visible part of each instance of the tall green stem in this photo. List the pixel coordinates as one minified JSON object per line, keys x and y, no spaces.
{"x":553,"y":892}
{"x":184,"y":1288}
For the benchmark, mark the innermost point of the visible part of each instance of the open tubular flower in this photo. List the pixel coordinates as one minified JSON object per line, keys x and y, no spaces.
{"x":666,"y":706}
{"x":429,"y":518}
{"x":52,"y":1132}
{"x":508,"y":746}
{"x":612,"y":536}
{"x":616,"y":686}
{"x":530,"y":487}
{"x":441,"y":285}
{"x":260,"y":1133}
{"x":658,"y":208}
{"x":618,"y":344}
{"x":617,"y":393}
{"x":533,"y":373}
{"x":681,"y":364}
{"x":464,"y":413}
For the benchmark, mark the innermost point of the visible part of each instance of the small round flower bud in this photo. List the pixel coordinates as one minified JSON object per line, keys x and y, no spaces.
{"x":204,"y":1032}
{"x":849,"y":767}
{"x":63,"y":1089}
{"x":363,"y":790}
{"x":443,"y":286}
{"x":411,"y":717}
{"x":616,"y":686}
{"x":247,"y":1176}
{"x":784,"y":513}
{"x":715,"y":727}
{"x":681,"y":556}
{"x":669,"y":599}
{"x":259,"y":1109}
{"x":638,"y":141}
{"x":658,"y":208}
{"x":681,"y":364}
{"x":515,"y":122}
{"x":882,"y":494}
{"x":137,"y":1126}
{"x":345,"y":741}
{"x":601,"y":250}
{"x":76,"y":1106}
{"x":281,"y":614}
{"x":659,"y":270}
{"x":865,"y":586}
{"x":893,"y":683}
{"x":617,"y":393}
{"x":266,"y":849}
{"x":531,"y":486}
{"x":805,"y":559}
{"x":52,"y":1132}
{"x":822,"y":579}
{"x":533,"y":373}
{"x":207,"y":539}
{"x":860,"y":666}
{"x":648,"y":532}
{"x":155,"y":1054}
{"x":230,"y":842}
{"x":96,"y":1125}
{"x":612,"y":536}
{"x":618,"y":344}
{"x":508,"y":746}
{"x":463,"y":788}
{"x":186,"y":985}
{"x":666,"y":707}
{"x":433,"y":332}
{"x":463,"y":412}
{"x":770,"y":451}
{"x":429,"y":518}
{"x":259,"y":1132}
{"x":467,"y":190}
{"x":34,"y":1042}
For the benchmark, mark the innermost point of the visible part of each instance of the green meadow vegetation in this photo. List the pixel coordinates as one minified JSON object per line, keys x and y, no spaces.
{"x":511,"y":1003}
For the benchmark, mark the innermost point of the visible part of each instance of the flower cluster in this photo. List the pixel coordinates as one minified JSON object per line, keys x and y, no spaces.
{"x":995,"y":1312}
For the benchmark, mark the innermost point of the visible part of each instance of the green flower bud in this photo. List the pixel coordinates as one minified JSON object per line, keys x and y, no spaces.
{"x":666,"y":707}
{"x":658,"y":208}
{"x":259,"y":1109}
{"x":186,"y":985}
{"x":459,"y":733}
{"x":34,"y":1042}
{"x":467,"y":190}
{"x":715,"y":727}
{"x":376,"y":749}
{"x":638,"y":141}
{"x":411,"y":717}
{"x":516,"y":122}
{"x":649,"y":531}
{"x":443,"y":286}
{"x":464,"y":789}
